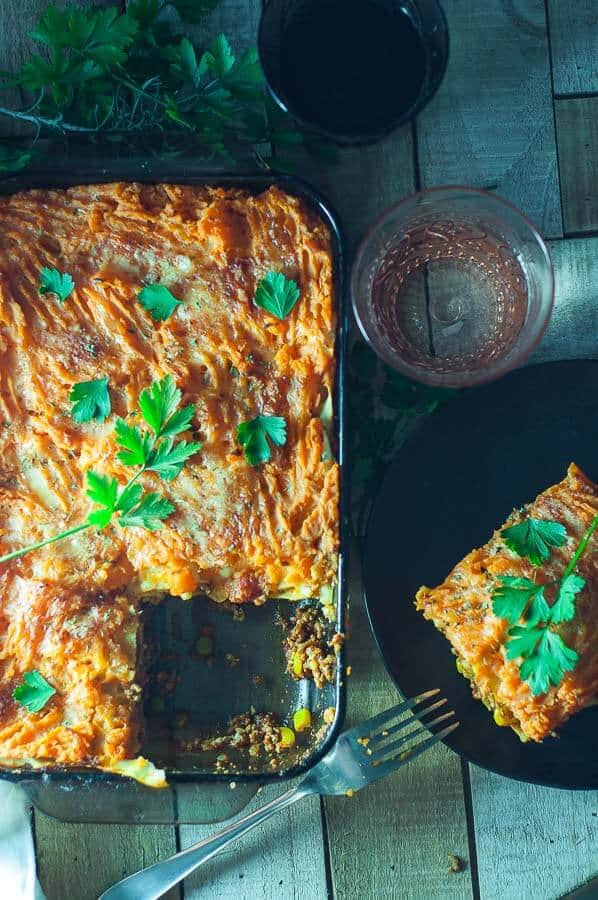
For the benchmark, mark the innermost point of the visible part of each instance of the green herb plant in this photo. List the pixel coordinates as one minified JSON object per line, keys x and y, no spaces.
{"x":149,"y":450}
{"x":91,"y":401}
{"x":136,"y":81}
{"x":544,"y":656}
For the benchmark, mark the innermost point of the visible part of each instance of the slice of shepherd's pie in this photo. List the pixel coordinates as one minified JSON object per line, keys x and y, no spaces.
{"x":525,"y":630}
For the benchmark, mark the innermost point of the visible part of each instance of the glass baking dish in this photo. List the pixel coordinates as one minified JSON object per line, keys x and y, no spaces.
{"x":258,"y":681}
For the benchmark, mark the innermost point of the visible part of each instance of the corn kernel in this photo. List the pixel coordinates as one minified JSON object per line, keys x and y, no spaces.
{"x":287,"y":737}
{"x":302,"y":720}
{"x":297,"y":665}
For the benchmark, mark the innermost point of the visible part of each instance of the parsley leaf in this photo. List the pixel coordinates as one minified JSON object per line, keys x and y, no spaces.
{"x":220,"y":58}
{"x":512,"y":597}
{"x":158,"y":301}
{"x":523,"y":641}
{"x":103,"y":490}
{"x":564,"y":607}
{"x":129,"y":497}
{"x":102,"y":35}
{"x":548,"y":663}
{"x":148,"y":513}
{"x":91,"y":400}
{"x":34,"y":692}
{"x":253,"y":437}
{"x":534,"y":538}
{"x":167,"y":460}
{"x":51,"y":281}
{"x":276,"y":294}
{"x":137,"y":445}
{"x":158,"y":407}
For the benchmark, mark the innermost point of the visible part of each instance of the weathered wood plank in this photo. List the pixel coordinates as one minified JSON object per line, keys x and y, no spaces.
{"x":571,"y":332}
{"x":82,"y":861}
{"x":491,"y":122}
{"x":284,"y":857}
{"x":577,"y":137}
{"x":532,"y":842}
{"x":393,"y":839}
{"x":573,"y":29}
{"x":364,"y":181}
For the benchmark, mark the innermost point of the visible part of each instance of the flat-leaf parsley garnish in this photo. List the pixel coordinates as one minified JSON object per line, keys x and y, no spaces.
{"x":34,"y":692}
{"x":91,"y":400}
{"x":276,"y":294}
{"x":158,"y":301}
{"x":154,"y":450}
{"x":51,"y":281}
{"x":534,"y":538}
{"x":254,"y":435}
{"x":544,"y":657}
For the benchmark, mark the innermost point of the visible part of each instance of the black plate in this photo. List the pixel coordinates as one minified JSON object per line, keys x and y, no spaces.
{"x":457,"y":479}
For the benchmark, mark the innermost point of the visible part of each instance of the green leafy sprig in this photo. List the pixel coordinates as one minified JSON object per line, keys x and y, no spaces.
{"x":543,"y":654}
{"x":153,"y":450}
{"x":136,"y":80}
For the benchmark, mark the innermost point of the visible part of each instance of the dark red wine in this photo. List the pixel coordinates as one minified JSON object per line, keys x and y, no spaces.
{"x":351,"y":67}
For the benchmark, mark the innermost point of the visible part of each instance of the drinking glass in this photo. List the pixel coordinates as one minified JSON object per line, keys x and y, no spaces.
{"x":351,"y":58}
{"x":452,"y":287}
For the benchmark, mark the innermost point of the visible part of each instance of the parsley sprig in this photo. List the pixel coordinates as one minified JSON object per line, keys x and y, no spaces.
{"x":543,"y":654}
{"x":153,"y":450}
{"x":135,"y":80}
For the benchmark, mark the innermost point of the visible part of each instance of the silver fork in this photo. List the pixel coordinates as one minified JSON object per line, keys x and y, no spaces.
{"x":361,"y":756}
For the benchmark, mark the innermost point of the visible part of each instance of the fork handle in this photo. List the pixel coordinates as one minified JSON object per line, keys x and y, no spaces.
{"x":151,"y":883}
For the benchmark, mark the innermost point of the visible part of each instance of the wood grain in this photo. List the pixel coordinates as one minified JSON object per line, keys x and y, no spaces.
{"x":491,"y":122}
{"x":577,"y":137}
{"x":364,"y":181}
{"x":393,"y":839}
{"x":573,"y":39}
{"x":78,"y":862}
{"x":283,"y":857}
{"x":532,"y":842}
{"x":572,"y":330}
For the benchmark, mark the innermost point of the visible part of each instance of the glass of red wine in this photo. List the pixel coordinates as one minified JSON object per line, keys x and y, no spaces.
{"x":353,"y":70}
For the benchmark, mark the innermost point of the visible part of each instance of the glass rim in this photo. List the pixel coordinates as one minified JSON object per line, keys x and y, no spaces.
{"x":355,"y":139}
{"x":454,"y":379}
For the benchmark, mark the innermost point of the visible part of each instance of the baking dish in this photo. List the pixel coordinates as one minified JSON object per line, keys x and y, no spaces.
{"x":197,"y":792}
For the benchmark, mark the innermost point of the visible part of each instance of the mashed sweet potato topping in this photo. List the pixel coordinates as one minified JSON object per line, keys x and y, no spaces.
{"x":240,"y":533}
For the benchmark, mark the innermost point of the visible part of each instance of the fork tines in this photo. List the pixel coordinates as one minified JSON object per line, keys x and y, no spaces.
{"x":389,"y":743}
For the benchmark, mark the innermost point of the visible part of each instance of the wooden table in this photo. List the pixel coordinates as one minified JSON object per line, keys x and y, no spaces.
{"x":518,"y":111}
